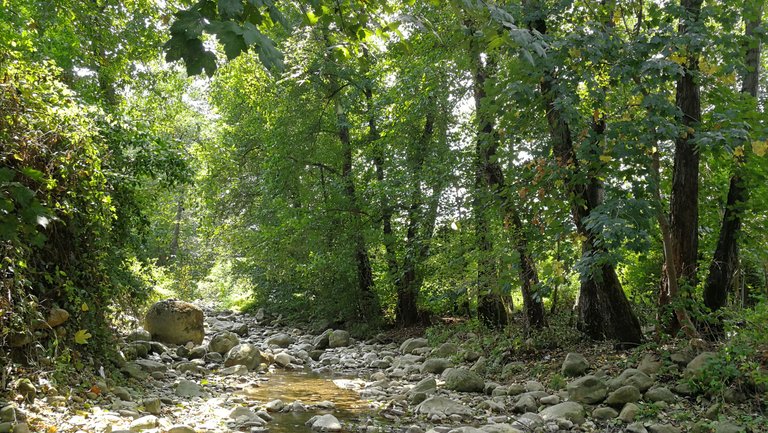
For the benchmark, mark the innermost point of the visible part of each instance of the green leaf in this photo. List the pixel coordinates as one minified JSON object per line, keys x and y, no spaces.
{"x":230,"y":8}
{"x":33,"y":174}
{"x":230,"y":35}
{"x":6,"y":174}
{"x":82,"y":336}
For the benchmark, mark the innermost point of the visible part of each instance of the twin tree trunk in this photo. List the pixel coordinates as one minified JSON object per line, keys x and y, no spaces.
{"x":604,"y":311}
{"x":725,"y":261}
{"x":489,"y":186}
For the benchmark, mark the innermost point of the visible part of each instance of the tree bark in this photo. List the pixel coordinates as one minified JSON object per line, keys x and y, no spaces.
{"x":684,"y":201}
{"x":604,"y":311}
{"x":725,"y":261}
{"x":490,"y":182}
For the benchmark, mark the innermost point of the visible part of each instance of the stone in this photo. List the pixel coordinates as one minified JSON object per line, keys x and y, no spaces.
{"x":412,"y":344}
{"x":569,"y":410}
{"x":631,"y":376}
{"x":152,"y":405}
{"x":26,"y":389}
{"x":620,"y":397}
{"x":428,"y":385}
{"x":629,"y":412}
{"x":480,"y":366}
{"x":325,"y":423}
{"x":660,"y":393}
{"x":6,"y":427}
{"x":587,"y":389}
{"x":713,"y":411}
{"x":604,"y":413}
{"x":462,"y":380}
{"x":435,"y":365}
{"x":650,"y":364}
{"x":525,"y":403}
{"x":663,"y":428}
{"x":244,"y":354}
{"x":550,"y":400}
{"x":139,"y":335}
{"x":135,"y":371}
{"x":243,"y":412}
{"x":574,"y":365}
{"x":8,"y":413}
{"x":188,"y":388}
{"x":338,"y":338}
{"x":122,"y":393}
{"x":699,"y":363}
{"x":235,"y":370}
{"x":143,"y":423}
{"x":280,"y":340}
{"x":442,"y":406}
{"x":274,"y":406}
{"x":532,"y":386}
{"x":728,"y":427}
{"x":150,"y":366}
{"x":222,"y":342}
{"x":321,"y":341}
{"x":56,"y":317}
{"x":21,"y":427}
{"x":636,"y":427}
{"x":445,"y":350}
{"x":175,"y":322}
{"x":180,"y":428}
{"x":283,"y":359}
{"x":198,"y":352}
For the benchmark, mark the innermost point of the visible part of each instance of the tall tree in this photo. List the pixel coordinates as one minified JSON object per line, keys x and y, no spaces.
{"x":604,"y":311}
{"x":725,"y":261}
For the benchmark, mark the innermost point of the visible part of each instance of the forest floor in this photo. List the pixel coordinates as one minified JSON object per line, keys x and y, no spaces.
{"x":397,"y":382}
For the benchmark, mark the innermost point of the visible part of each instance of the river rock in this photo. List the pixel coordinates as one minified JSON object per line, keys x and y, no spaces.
{"x":569,"y":410}
{"x":244,"y":354}
{"x":144,"y":423}
{"x":428,"y":385}
{"x":604,"y":413}
{"x":650,"y":364}
{"x":412,"y":344}
{"x":321,"y":341}
{"x":445,"y":350}
{"x":150,"y":366}
{"x":631,"y":376}
{"x":629,"y":412}
{"x":56,"y":317}
{"x":463,"y":380}
{"x":698,"y":363}
{"x":280,"y":340}
{"x":625,"y":394}
{"x":525,"y":403}
{"x":338,"y":338}
{"x":636,"y":427}
{"x":122,"y":393}
{"x":187,"y":388}
{"x":324,"y":423}
{"x":135,"y":371}
{"x":180,"y":428}
{"x":575,"y":365}
{"x":175,"y":322}
{"x":152,"y":405}
{"x":663,"y":428}
{"x":660,"y":393}
{"x":435,"y":365}
{"x":26,"y":390}
{"x":442,"y":406}
{"x":587,"y":389}
{"x":728,"y":427}
{"x":222,"y":342}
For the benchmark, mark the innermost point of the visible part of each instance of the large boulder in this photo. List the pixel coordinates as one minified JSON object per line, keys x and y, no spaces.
{"x":575,"y":365}
{"x":699,"y":363}
{"x":620,"y":397}
{"x":442,"y":406}
{"x":244,"y":354}
{"x":569,"y":410}
{"x":412,"y":344}
{"x":222,"y":341}
{"x":338,"y":338}
{"x":587,"y":390}
{"x":175,"y":322}
{"x":633,"y":377}
{"x":280,"y":340}
{"x":463,"y":380}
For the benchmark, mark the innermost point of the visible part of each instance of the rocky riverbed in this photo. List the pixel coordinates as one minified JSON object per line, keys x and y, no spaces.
{"x":252,"y":374}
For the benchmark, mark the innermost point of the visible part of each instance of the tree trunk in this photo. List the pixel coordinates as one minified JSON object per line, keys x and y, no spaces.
{"x":604,"y":311}
{"x":490,"y":303}
{"x":367,"y":306}
{"x":684,"y":201}
{"x":725,"y":261}
{"x":173,"y":248}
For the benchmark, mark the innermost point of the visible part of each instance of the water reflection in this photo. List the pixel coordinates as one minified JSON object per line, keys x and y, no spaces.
{"x":312,"y":390}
